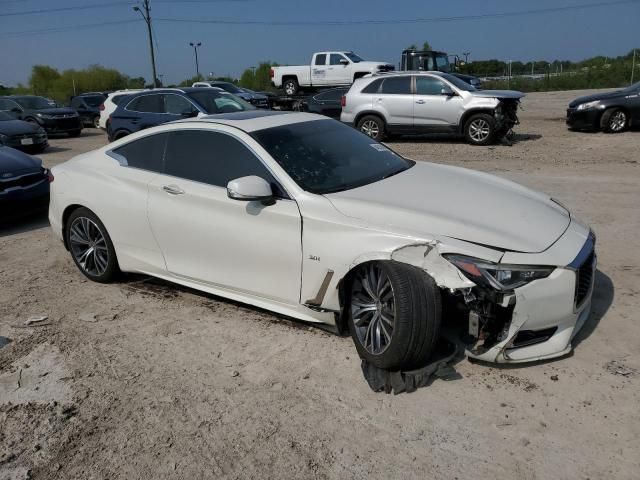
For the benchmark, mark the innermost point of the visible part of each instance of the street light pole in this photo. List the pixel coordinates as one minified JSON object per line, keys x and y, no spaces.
{"x":195,"y":49}
{"x":146,"y":15}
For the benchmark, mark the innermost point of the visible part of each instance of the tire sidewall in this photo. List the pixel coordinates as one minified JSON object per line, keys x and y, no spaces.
{"x":492,"y":129}
{"x":380,"y":123}
{"x":112,"y":264}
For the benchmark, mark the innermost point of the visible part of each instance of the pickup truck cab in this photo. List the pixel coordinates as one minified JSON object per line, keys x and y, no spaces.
{"x":327,"y":69}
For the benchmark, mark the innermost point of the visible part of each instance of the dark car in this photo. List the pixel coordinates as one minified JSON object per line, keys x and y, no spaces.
{"x":88,"y":107}
{"x":327,"y":102}
{"x":256,"y":99}
{"x":22,"y":135}
{"x":24,"y":184}
{"x":153,"y":107}
{"x":610,"y":112}
{"x":39,"y":111}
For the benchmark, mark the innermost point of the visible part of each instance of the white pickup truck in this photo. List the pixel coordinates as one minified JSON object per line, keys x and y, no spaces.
{"x":327,"y":69}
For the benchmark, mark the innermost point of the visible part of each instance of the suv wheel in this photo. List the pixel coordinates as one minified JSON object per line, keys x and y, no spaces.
{"x":394,"y":312}
{"x":372,"y":126}
{"x":480,"y":129}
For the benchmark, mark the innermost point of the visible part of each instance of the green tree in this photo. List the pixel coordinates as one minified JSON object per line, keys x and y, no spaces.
{"x":258,"y":79}
{"x":43,"y":79}
{"x":426,"y":46}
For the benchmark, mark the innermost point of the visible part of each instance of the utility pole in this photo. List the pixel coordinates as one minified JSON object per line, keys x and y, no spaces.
{"x":633,"y":65}
{"x":466,"y":56}
{"x":195,"y":49}
{"x":146,"y":16}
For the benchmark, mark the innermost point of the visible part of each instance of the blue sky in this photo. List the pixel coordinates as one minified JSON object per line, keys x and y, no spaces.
{"x":228,"y":49}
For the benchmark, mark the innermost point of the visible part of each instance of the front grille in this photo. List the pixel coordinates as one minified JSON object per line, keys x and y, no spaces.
{"x":16,"y":140}
{"x":584,"y":279}
{"x":23,"y":181}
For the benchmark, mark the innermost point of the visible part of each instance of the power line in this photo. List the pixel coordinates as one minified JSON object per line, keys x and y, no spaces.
{"x":399,"y":21}
{"x":65,"y":9}
{"x":69,"y":28}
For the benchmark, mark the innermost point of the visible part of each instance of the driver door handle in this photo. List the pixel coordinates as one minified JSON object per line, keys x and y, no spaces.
{"x":420,"y":102}
{"x":172,"y":189}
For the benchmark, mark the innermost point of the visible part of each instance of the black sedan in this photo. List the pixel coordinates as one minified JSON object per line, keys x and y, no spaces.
{"x":327,"y":102}
{"x":22,"y":135}
{"x":24,"y":184}
{"x":39,"y":111}
{"x":610,"y":112}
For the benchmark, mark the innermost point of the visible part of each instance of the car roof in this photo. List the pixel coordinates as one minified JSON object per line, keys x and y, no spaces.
{"x":254,"y":120}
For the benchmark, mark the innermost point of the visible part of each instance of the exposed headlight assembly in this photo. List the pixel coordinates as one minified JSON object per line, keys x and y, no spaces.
{"x":590,"y":105}
{"x":497,"y":275}
{"x":45,"y":116}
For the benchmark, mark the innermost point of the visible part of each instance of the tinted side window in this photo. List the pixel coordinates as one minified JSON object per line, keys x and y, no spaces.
{"x":177,"y":105}
{"x":331,"y":95}
{"x":397,"y":85}
{"x":373,"y":87}
{"x":213,"y":158}
{"x":146,"y":153}
{"x":335,"y":58}
{"x":116,"y":99}
{"x":321,"y":59}
{"x":147,"y":104}
{"x":429,"y":86}
{"x":76,"y":102}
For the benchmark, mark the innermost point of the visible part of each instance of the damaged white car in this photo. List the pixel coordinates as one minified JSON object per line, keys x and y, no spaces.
{"x":309,"y":218}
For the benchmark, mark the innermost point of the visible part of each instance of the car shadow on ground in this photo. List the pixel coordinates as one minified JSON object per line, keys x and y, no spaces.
{"x":603,"y":295}
{"x":436,"y":138}
{"x":23,"y":225}
{"x":53,"y":149}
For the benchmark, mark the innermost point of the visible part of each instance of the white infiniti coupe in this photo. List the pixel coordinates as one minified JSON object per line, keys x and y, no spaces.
{"x":307,"y":217}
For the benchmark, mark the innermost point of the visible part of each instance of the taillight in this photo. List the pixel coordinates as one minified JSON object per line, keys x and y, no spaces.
{"x":271,"y":73}
{"x":101,"y":107}
{"x":49,"y":175}
{"x":343,"y":101}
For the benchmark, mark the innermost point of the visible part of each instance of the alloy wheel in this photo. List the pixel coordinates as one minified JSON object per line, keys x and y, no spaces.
{"x":96,"y":122}
{"x":479,"y":130}
{"x":618,"y":121}
{"x":373,"y":308}
{"x":370,"y":128}
{"x":88,"y":246}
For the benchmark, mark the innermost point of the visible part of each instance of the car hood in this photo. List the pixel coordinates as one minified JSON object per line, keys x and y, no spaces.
{"x":455,"y":202}
{"x":17,"y":127}
{"x":13,"y":162}
{"x":598,"y":96}
{"x":498,"y":94}
{"x":466,"y":78}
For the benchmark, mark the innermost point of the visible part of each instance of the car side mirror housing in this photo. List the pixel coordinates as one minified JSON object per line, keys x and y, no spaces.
{"x":189,"y":113}
{"x":344,"y":61}
{"x":16,"y":110}
{"x":249,"y":189}
{"x":448,"y":92}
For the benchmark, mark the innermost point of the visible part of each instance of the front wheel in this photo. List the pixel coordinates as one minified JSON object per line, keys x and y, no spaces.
{"x":614,"y":120}
{"x":372,"y":126}
{"x":480,"y":129}
{"x":394,"y":312}
{"x":90,"y":246}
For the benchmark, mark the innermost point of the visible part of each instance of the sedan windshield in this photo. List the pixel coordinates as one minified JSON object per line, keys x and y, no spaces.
{"x":460,"y":84}
{"x":326,"y":156}
{"x":33,"y":103}
{"x":353,"y":57}
{"x":219,"y":102}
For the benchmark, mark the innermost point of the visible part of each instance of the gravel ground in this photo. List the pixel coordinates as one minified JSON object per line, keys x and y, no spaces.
{"x":138,"y":380}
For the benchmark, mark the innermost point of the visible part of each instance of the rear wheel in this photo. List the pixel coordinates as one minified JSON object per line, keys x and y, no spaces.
{"x":480,"y":129}
{"x":372,"y":126}
{"x":90,"y":246}
{"x":290,"y":86}
{"x":394,"y":312}
{"x":614,"y":120}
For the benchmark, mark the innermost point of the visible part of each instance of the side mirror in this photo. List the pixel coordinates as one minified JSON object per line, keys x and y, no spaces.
{"x":448,"y":92}
{"x":344,"y":61}
{"x":16,"y":110}
{"x":189,"y":113}
{"x":249,"y":189}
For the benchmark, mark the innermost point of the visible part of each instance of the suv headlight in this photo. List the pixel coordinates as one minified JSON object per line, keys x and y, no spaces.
{"x":497,"y":275}
{"x":589,"y":105}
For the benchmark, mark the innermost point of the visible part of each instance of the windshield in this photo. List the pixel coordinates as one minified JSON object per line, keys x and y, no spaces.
{"x":229,"y":87}
{"x":460,"y":84}
{"x":5,"y":116}
{"x":326,"y":156}
{"x":219,"y":102}
{"x":442,"y":62}
{"x":353,"y":57}
{"x":33,"y":103}
{"x":94,"y":100}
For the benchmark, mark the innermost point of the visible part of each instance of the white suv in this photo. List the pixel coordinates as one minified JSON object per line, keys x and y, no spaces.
{"x":111,"y":103}
{"x":435,"y":102}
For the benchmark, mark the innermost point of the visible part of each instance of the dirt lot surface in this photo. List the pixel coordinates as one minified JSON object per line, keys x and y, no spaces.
{"x":138,"y":381}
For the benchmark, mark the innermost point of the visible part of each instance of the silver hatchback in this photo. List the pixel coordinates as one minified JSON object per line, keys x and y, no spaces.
{"x":388,"y":104}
